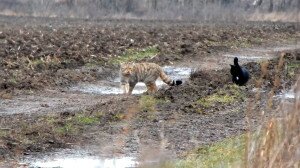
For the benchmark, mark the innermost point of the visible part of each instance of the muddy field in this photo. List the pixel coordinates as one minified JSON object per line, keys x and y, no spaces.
{"x":43,"y":59}
{"x":31,"y":51}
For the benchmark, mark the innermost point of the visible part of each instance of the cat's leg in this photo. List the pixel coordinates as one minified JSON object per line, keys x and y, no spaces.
{"x":125,"y":88}
{"x":131,"y":87}
{"x":151,"y":87}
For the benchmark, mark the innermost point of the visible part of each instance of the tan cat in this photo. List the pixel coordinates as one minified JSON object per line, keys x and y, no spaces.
{"x":148,"y":73}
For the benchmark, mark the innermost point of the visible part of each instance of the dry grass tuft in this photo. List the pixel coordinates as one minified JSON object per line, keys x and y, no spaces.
{"x":277,"y":142}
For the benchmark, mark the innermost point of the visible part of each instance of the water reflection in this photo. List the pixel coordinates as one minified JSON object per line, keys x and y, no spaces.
{"x":86,"y":162}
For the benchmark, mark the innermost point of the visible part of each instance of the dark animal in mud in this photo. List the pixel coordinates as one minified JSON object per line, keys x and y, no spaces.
{"x":148,"y":73}
{"x":240,"y":75}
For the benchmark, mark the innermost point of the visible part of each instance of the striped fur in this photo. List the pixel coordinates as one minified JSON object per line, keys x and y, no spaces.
{"x":148,"y":73}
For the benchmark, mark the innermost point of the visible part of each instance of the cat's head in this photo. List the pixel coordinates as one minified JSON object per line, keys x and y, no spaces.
{"x":126,"y":69}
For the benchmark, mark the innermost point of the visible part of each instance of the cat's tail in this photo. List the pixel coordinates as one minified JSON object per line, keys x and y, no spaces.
{"x":165,"y":78}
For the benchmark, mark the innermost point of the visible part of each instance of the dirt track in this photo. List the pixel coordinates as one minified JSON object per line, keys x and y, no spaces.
{"x":124,"y":127}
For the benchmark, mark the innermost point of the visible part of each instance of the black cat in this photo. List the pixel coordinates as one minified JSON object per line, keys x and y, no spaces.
{"x":240,"y":75}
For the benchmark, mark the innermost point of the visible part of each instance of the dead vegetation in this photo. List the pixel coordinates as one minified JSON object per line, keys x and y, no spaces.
{"x":276,"y":142}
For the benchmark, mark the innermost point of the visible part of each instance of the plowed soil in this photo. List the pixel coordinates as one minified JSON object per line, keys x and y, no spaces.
{"x":40,"y":58}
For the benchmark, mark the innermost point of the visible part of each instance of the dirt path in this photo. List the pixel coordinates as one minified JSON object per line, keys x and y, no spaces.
{"x":50,"y":101}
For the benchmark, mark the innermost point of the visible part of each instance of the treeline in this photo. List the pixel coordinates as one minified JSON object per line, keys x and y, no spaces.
{"x":148,"y":9}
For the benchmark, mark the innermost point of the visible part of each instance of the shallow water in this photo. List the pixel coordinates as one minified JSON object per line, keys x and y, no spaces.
{"x":86,"y":162}
{"x":113,"y":86}
{"x":250,"y":57}
{"x":78,"y":158}
{"x":287,"y":95}
{"x":262,"y":53}
{"x":276,"y":49}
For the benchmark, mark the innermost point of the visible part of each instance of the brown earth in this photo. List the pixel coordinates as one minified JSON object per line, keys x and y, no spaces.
{"x":39,"y":53}
{"x":40,"y":59}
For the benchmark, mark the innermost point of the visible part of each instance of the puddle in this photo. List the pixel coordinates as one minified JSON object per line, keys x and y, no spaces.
{"x":70,"y":158}
{"x":258,"y":90}
{"x":275,"y":49}
{"x":287,"y":95}
{"x":97,"y":89}
{"x":87,"y":162}
{"x":262,"y":53}
{"x":284,"y":96}
{"x":113,"y":86}
{"x":250,"y":57}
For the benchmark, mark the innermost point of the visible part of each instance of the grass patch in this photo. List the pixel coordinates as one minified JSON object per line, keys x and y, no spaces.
{"x":135,"y":55}
{"x":147,"y":103}
{"x":228,"y":94}
{"x":73,"y":124}
{"x":13,"y":81}
{"x":94,"y":63}
{"x":292,"y":68}
{"x":37,"y":63}
{"x":44,"y":62}
{"x":67,"y":129}
{"x":3,"y":133}
{"x":256,"y":40}
{"x":226,"y":153}
{"x":91,"y":64}
{"x":86,"y":120}
{"x":118,"y":116}
{"x":220,"y":97}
